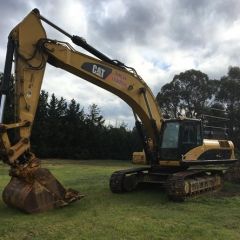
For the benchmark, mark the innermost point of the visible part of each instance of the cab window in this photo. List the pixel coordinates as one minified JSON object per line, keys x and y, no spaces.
{"x":170,"y":135}
{"x":191,"y":134}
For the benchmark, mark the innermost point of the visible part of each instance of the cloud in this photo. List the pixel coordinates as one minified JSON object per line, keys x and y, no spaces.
{"x":158,"y":38}
{"x":120,"y":20}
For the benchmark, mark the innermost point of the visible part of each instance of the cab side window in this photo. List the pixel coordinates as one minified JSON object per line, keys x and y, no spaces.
{"x":191,"y":134}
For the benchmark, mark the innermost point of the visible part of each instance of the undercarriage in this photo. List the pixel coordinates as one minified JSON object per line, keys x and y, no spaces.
{"x":179,"y":184}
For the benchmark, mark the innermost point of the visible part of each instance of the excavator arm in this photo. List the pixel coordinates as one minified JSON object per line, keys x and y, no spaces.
{"x":29,"y":70}
{"x":32,"y":50}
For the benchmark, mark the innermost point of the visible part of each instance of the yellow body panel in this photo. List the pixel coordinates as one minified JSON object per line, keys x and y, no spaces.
{"x":193,"y":154}
{"x":209,"y":144}
{"x":139,"y":158}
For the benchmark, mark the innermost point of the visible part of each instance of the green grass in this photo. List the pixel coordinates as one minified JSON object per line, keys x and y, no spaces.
{"x":144,"y":214}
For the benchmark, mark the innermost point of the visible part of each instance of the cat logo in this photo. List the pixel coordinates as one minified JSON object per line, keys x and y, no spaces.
{"x":97,"y":69}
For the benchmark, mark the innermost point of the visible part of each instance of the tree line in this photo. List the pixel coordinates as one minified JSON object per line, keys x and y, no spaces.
{"x":66,"y":130}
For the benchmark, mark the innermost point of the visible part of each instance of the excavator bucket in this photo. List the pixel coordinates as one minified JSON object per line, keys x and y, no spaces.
{"x":40,"y":193}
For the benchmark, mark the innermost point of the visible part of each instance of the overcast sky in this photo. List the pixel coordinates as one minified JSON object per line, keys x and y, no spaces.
{"x":158,"y":38}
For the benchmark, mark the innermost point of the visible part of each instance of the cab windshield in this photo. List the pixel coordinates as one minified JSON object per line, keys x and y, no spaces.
{"x":171,"y":135}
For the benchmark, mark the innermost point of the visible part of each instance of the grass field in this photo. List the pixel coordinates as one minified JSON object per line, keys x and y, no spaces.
{"x":144,"y":214}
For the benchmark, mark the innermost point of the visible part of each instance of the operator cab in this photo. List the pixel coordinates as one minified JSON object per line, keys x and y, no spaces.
{"x":179,"y":136}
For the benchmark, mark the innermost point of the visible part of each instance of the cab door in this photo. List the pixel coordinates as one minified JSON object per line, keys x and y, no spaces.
{"x":190,"y":135}
{"x":169,"y":141}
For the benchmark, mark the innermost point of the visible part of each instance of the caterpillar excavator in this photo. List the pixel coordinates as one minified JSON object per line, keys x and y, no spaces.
{"x":171,"y":146}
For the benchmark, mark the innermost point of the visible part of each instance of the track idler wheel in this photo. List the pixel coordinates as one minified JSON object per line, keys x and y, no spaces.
{"x":130,"y":183}
{"x":116,"y":182}
{"x":38,"y":191}
{"x":119,"y":182}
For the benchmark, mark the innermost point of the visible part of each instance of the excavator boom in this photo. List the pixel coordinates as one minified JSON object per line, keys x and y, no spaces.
{"x":32,"y":188}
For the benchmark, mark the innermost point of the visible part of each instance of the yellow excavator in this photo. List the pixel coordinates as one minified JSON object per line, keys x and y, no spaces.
{"x":171,"y":146}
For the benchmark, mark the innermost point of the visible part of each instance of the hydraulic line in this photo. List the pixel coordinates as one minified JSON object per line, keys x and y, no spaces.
{"x":6,"y":77}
